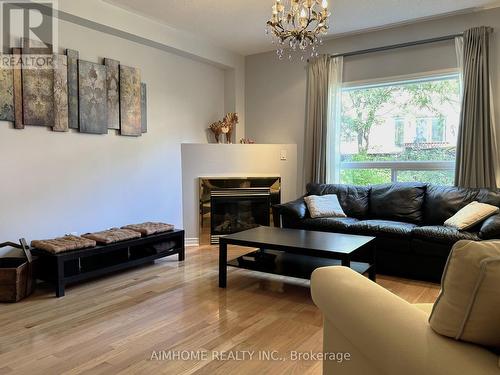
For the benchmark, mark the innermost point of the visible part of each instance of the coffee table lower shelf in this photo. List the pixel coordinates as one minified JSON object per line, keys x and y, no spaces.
{"x":286,"y":264}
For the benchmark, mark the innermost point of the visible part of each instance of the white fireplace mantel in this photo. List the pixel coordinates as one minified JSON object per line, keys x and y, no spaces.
{"x":233,"y":160}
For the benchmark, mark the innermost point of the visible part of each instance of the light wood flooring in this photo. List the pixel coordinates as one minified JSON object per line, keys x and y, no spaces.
{"x":123,"y":323}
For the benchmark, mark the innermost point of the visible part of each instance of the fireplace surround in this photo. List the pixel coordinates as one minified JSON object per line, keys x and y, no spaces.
{"x":234,"y":204}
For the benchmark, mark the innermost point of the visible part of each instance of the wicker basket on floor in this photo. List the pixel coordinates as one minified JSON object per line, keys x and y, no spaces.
{"x":16,"y":274}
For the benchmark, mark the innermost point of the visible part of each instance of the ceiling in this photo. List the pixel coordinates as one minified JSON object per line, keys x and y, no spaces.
{"x":239,"y":25}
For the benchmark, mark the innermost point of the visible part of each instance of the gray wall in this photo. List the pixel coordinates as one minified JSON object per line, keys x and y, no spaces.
{"x":276,"y":90}
{"x":232,"y":160}
{"x":58,"y":183}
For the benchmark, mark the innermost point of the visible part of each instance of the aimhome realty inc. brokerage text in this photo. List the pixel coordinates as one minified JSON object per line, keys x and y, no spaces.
{"x":246,"y":355}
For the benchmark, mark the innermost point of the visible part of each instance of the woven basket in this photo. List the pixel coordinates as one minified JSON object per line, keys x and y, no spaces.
{"x":16,"y":275}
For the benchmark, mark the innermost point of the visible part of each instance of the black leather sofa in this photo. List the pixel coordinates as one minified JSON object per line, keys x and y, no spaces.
{"x":406,"y":218}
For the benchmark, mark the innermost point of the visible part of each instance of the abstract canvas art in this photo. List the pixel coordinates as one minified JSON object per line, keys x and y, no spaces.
{"x":63,"y":92}
{"x":60,"y":93}
{"x":6,"y":94}
{"x":130,"y":101}
{"x":113,"y":92}
{"x":38,"y":96}
{"x":18,"y":90}
{"x":144,"y":108}
{"x":73,"y":88}
{"x":92,"y":98}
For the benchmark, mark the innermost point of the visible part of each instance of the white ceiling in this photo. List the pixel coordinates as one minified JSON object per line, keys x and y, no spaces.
{"x":239,"y":25}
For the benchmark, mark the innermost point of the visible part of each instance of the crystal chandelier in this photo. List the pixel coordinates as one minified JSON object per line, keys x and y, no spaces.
{"x":298,"y":25}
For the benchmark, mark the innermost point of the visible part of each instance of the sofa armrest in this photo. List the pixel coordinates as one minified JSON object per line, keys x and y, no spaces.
{"x":296,"y":209}
{"x":490,"y":228}
{"x":393,"y":335}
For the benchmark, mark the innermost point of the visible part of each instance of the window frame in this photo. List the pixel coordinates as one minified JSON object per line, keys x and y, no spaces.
{"x":399,"y":166}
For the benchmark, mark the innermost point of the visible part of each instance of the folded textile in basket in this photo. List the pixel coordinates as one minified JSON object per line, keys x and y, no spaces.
{"x":62,"y":244}
{"x":149,"y":228}
{"x":112,"y":235}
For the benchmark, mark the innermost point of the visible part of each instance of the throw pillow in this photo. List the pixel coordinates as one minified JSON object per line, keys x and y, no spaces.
{"x":468,"y":306}
{"x":324,"y":206}
{"x":472,"y":214}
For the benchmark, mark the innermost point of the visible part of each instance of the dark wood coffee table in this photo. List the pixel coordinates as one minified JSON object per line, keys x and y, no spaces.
{"x":297,"y":253}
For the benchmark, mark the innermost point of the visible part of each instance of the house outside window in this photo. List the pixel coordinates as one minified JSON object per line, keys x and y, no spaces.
{"x":400,"y":131}
{"x":438,"y":129}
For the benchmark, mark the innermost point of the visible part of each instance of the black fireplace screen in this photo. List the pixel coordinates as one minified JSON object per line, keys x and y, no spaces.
{"x":236,"y":214}
{"x":234,"y":204}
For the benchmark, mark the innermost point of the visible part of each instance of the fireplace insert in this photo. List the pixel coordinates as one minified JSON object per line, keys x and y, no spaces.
{"x":236,"y":210}
{"x":231,"y":205}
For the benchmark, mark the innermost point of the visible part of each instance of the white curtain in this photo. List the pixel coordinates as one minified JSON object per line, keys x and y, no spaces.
{"x":336,"y":68}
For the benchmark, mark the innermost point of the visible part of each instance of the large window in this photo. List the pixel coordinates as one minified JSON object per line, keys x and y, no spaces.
{"x":402,"y":131}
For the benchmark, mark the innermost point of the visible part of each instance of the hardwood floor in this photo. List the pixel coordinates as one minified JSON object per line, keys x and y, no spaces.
{"x":125,"y":323}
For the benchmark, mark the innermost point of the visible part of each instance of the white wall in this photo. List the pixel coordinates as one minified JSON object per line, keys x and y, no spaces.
{"x":276,"y":90}
{"x":176,"y":41}
{"x":57,"y":183}
{"x":213,"y":160}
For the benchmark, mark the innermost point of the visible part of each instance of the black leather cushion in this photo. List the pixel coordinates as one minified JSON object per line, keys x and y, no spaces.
{"x":490,"y":228}
{"x":290,"y":222}
{"x":384,"y":227}
{"x":399,"y":202}
{"x":443,"y":234}
{"x":442,"y":202}
{"x":296,"y":209}
{"x":489,"y":196}
{"x":338,"y":224}
{"x":355,"y":200}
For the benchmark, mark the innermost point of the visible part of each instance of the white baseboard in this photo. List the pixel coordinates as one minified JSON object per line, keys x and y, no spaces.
{"x":190,"y":242}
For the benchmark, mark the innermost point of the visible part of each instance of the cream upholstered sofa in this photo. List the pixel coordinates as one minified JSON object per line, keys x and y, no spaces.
{"x":384,"y":334}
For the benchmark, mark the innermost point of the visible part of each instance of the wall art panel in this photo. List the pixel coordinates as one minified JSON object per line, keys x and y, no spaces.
{"x":6,"y":93}
{"x":92,"y":98}
{"x":113,"y":92}
{"x":38,"y":95}
{"x":144,"y":108}
{"x":18,"y":90}
{"x":130,"y":101}
{"x":60,"y":93}
{"x":73,"y":87}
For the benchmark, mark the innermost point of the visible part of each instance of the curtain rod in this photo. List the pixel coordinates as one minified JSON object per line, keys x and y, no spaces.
{"x":396,"y":46}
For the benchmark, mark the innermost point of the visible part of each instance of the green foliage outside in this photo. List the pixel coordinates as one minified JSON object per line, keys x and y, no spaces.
{"x":383,"y":176}
{"x":433,"y":177}
{"x":408,"y":154}
{"x":365,"y":176}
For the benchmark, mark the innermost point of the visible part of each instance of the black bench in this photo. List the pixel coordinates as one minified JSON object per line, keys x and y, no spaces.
{"x":79,"y":265}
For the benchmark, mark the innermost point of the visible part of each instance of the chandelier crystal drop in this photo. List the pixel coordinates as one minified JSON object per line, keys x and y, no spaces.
{"x":298,"y":26}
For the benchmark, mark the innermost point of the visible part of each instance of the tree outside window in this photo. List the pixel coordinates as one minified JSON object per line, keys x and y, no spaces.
{"x":399,"y":122}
